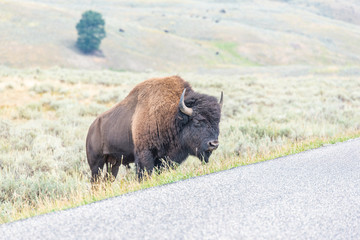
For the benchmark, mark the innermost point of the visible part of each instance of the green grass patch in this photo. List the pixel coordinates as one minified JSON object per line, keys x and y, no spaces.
{"x":227,"y":52}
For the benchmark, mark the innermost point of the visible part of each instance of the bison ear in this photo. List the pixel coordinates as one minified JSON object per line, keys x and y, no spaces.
{"x":183,"y":119}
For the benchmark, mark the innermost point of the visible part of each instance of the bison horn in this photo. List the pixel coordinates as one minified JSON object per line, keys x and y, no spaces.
{"x":221,"y":99}
{"x":183,"y":108}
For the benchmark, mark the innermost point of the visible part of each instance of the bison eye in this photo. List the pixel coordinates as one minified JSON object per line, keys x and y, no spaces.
{"x":196,"y":123}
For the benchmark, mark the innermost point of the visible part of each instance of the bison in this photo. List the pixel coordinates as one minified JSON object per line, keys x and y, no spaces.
{"x":162,"y":120}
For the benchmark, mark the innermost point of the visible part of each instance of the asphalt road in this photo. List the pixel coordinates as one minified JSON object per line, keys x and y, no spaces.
{"x":312,"y":195}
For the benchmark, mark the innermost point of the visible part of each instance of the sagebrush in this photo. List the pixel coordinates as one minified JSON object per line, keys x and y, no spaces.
{"x":45,"y":115}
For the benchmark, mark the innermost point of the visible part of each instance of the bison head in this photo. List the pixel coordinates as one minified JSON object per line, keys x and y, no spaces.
{"x":199,"y":116}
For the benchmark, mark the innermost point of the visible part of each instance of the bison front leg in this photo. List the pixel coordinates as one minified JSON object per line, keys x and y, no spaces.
{"x":144,"y":161}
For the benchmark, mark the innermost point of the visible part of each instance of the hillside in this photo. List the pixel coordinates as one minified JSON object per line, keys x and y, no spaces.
{"x":189,"y":35}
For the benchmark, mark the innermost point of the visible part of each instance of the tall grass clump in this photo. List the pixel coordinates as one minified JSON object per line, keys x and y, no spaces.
{"x":267,"y":113}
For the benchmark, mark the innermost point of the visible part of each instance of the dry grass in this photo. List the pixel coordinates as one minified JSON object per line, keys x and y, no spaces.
{"x":267,"y":112}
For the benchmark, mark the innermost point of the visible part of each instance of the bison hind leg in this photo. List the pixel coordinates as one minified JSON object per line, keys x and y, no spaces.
{"x":113,"y":163}
{"x":112,"y":168}
{"x":97,"y":165}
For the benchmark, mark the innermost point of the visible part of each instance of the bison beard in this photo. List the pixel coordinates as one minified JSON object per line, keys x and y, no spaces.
{"x":162,"y":121}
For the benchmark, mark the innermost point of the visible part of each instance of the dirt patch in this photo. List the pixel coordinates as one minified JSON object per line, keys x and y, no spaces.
{"x":17,"y":97}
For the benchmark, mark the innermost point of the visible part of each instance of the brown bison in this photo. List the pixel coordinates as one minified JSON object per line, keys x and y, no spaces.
{"x":161,"y":121}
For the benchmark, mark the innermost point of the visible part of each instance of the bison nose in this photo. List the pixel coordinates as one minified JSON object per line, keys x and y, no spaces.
{"x":213,"y":144}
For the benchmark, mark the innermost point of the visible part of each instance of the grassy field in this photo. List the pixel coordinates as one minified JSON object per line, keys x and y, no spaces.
{"x":268,"y":112}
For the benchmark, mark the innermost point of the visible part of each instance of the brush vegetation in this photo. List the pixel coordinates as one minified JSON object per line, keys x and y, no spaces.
{"x":267,"y":112}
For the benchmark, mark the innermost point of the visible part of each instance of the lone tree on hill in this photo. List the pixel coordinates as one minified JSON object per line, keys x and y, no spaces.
{"x":90,"y":31}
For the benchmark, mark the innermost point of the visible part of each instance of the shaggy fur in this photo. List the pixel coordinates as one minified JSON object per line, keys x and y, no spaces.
{"x":147,"y":126}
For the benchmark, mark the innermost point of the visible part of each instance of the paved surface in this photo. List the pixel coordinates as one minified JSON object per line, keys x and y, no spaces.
{"x":312,"y":195}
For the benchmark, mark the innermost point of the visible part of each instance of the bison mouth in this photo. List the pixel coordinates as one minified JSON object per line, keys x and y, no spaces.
{"x":204,"y":155}
{"x":206,"y":149}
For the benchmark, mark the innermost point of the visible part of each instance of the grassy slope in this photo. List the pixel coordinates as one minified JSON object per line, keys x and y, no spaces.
{"x":42,"y":33}
{"x":268,"y":112}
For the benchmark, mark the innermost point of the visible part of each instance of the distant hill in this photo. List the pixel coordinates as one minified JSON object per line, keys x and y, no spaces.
{"x":183,"y":35}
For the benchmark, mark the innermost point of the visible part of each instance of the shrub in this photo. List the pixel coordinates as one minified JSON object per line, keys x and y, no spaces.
{"x":90,"y":31}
